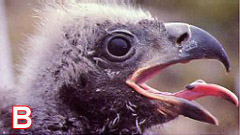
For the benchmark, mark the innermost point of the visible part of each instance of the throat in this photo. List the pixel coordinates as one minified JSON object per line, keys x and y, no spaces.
{"x":116,"y":126}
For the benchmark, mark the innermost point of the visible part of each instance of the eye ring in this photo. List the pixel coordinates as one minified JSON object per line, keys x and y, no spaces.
{"x":119,"y":46}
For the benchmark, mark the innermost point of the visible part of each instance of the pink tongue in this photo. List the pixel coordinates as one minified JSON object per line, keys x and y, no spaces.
{"x":200,"y":88}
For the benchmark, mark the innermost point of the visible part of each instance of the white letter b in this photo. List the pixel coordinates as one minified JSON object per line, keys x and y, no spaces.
{"x":17,"y":114}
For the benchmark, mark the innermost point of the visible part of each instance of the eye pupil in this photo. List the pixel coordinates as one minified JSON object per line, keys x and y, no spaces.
{"x":119,"y":46}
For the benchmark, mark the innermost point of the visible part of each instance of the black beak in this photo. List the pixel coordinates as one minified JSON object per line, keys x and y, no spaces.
{"x":195,"y":43}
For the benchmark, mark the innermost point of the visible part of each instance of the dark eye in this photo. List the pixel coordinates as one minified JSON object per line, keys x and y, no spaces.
{"x":118,"y":46}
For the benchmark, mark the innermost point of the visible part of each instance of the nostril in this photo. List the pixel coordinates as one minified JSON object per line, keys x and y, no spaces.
{"x":183,"y":38}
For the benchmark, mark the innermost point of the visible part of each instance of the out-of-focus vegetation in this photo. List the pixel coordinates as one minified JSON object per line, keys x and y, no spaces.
{"x":218,"y":17}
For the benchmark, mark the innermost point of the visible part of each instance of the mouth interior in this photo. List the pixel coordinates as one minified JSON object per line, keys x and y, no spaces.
{"x":158,"y":87}
{"x":148,"y":73}
{"x":145,"y":74}
{"x":192,"y":91}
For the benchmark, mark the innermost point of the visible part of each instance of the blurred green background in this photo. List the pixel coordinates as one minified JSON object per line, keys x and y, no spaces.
{"x":218,"y":17}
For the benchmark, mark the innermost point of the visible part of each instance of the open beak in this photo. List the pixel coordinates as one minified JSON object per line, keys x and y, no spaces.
{"x":192,"y":43}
